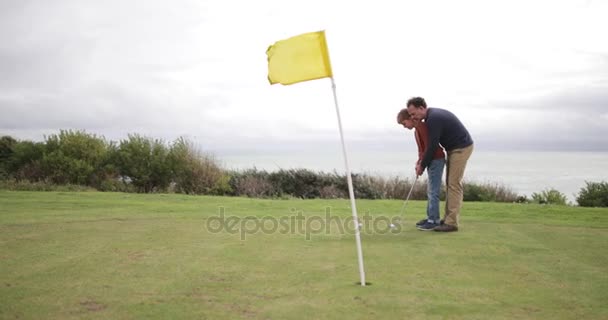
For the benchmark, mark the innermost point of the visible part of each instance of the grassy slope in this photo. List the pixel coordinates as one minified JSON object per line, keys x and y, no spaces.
{"x":122,"y":256}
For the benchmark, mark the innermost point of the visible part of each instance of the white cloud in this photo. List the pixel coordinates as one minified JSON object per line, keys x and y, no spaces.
{"x":199,"y":68}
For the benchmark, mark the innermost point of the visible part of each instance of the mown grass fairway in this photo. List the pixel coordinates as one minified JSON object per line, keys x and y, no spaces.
{"x":126,"y":256}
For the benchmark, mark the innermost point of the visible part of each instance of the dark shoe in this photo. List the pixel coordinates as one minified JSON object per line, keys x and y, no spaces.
{"x":427,"y":226}
{"x":421,"y":222}
{"x":446,"y":228}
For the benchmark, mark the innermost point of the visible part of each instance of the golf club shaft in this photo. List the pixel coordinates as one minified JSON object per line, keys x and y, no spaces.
{"x":408,"y":195}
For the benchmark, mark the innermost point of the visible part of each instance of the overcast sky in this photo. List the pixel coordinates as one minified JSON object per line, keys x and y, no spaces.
{"x":519,"y":74}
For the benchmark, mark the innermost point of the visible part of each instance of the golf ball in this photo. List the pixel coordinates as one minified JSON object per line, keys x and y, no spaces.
{"x":392,"y":225}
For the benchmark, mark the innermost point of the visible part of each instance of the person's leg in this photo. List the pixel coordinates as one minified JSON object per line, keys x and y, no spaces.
{"x":435,"y":173}
{"x":457,"y":162}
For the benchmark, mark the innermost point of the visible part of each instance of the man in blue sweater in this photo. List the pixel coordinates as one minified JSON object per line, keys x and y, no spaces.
{"x":444,"y":128}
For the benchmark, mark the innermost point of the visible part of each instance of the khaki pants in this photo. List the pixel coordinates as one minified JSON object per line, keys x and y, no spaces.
{"x":456,"y":163}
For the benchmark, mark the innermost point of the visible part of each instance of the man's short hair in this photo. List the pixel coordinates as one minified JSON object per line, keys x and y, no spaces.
{"x":417,"y":102}
{"x":403,"y":115}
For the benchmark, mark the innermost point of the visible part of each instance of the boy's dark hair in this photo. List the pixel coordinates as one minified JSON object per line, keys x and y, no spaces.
{"x":403,"y":115}
{"x":417,"y":102}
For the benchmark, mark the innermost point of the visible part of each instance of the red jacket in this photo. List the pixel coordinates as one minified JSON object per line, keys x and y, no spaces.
{"x":422,"y":139}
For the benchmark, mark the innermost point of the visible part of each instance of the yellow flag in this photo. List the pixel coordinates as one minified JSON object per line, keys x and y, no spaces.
{"x":300,"y":58}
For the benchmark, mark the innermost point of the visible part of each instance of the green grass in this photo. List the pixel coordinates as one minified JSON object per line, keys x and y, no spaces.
{"x":92,"y":255}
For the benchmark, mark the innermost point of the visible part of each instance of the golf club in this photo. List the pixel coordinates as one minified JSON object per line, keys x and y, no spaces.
{"x":408,"y":196}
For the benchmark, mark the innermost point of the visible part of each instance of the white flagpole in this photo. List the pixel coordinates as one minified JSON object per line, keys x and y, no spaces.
{"x":351,"y":193}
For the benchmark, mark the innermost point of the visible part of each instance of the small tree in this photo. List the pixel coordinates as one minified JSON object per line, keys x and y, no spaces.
{"x":595,"y":194}
{"x":7,"y":145}
{"x":195,"y":172}
{"x":145,"y":162}
{"x":549,"y":196}
{"x":74,"y":157}
{"x":24,"y":162}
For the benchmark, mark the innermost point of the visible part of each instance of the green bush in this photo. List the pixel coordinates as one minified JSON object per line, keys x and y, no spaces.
{"x":251,"y":183}
{"x":474,"y":192}
{"x":221,"y":186}
{"x":397,"y":188}
{"x":594,"y":194}
{"x":7,"y":145}
{"x":299,"y":183}
{"x":549,"y":196}
{"x":24,"y":162}
{"x":74,"y":157}
{"x":292,"y":183}
{"x":367,"y":187}
{"x":195,"y":172}
{"x":306,"y":184}
{"x":142,"y":164}
{"x":62,"y":169}
{"x":332,"y":192}
{"x":144,"y":161}
{"x":488,"y":192}
{"x":115,"y":185}
{"x":25,"y":185}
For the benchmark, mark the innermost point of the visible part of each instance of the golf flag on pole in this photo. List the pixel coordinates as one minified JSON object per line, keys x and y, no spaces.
{"x":300,"y":58}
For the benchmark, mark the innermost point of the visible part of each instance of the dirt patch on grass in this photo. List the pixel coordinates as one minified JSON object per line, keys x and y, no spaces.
{"x":92,"y":305}
{"x":243,"y":310}
{"x":213,"y":278}
{"x":136,"y":255}
{"x":199,"y":294}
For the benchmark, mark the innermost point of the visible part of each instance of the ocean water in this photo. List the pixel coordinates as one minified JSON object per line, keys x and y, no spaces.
{"x":523,"y":172}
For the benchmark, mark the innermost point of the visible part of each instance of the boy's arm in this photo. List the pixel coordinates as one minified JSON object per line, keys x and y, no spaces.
{"x":420,"y":133}
{"x":431,"y":143}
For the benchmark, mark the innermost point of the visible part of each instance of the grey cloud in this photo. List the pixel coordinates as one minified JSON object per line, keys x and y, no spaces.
{"x":54,"y":44}
{"x":101,"y":66}
{"x":591,"y":99}
{"x":107,"y":67}
{"x":101,"y":108}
